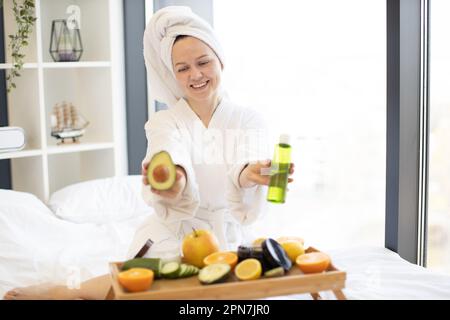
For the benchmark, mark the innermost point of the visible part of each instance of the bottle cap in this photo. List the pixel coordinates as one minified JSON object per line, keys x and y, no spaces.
{"x":284,"y":139}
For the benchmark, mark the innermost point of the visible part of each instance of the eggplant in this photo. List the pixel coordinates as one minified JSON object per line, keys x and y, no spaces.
{"x":275,"y":255}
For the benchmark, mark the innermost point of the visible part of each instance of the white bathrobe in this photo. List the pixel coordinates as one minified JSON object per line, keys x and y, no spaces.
{"x":213,"y":158}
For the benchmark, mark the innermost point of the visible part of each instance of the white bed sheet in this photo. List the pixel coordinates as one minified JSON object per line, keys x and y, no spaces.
{"x":37,"y":247}
{"x":40,"y":248}
{"x":376,"y":273}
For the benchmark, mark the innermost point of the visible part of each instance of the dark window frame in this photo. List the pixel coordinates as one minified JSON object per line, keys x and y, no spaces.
{"x":5,"y":164}
{"x":407,"y":129}
{"x":135,"y":83}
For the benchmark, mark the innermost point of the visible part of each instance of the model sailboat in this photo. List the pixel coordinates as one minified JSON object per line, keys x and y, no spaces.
{"x":67,"y":122}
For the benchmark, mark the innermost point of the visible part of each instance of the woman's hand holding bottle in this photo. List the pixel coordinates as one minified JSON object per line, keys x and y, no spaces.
{"x":259,"y":174}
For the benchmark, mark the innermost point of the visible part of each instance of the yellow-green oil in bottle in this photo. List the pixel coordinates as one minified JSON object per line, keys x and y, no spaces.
{"x":280,"y":171}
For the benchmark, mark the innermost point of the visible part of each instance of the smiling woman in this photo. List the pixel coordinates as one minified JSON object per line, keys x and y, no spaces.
{"x":185,"y":61}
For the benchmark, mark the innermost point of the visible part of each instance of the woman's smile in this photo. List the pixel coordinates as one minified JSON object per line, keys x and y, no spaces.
{"x":200,"y":86}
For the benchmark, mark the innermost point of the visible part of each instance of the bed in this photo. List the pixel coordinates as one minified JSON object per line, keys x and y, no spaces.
{"x":85,"y":226}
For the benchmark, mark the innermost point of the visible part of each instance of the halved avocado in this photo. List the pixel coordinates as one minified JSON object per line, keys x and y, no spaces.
{"x":214,"y":273}
{"x":161,"y":172}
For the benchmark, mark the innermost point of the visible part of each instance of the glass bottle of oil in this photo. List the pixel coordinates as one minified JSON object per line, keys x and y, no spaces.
{"x":280,"y":170}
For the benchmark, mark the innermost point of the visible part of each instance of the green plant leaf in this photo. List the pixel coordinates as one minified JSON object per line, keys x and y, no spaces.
{"x":25,"y":18}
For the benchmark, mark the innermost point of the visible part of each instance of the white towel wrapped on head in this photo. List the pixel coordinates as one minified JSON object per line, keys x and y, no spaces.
{"x":161,"y":31}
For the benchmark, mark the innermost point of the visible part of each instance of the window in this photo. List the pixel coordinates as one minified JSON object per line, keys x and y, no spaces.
{"x":316,"y":70}
{"x":438,"y":251}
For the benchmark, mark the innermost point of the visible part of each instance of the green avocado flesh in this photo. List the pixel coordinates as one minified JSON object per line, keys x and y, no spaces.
{"x":214,"y":273}
{"x":161,"y":171}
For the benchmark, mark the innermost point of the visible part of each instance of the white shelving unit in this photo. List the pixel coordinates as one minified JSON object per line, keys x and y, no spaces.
{"x":95,"y":85}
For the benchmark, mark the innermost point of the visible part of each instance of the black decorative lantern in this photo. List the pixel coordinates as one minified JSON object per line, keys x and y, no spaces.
{"x":65,"y":42}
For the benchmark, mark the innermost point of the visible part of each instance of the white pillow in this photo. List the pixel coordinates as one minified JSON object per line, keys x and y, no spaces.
{"x":100,"y":201}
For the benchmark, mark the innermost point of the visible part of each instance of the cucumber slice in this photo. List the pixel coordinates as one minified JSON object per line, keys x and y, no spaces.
{"x":187,"y":270}
{"x":171,"y":270}
{"x":195,"y":270}
{"x":277,"y":272}
{"x":214,"y":273}
{"x":183,"y":271}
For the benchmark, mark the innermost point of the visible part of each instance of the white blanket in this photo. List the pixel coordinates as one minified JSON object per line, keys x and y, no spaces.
{"x":37,"y":247}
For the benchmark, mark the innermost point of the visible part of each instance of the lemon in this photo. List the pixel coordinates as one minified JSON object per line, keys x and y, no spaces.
{"x":293,"y":249}
{"x":258,"y":241}
{"x":248,"y":269}
{"x":289,"y":238}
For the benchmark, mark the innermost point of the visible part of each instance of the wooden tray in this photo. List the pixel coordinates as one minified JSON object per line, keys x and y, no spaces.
{"x":294,"y":282}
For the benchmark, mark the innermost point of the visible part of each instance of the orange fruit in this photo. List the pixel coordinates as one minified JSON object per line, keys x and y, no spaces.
{"x":289,"y":238}
{"x":229,"y":258}
{"x":313,"y":262}
{"x":136,"y":279}
{"x":293,"y":248}
{"x":248,"y":269}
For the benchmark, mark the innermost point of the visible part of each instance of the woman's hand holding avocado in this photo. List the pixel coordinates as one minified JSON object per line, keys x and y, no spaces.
{"x":259,"y":173}
{"x":175,"y":190}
